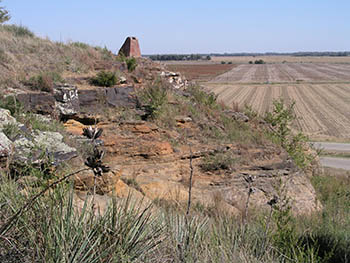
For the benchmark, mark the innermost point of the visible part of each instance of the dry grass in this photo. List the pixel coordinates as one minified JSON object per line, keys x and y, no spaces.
{"x":22,"y":56}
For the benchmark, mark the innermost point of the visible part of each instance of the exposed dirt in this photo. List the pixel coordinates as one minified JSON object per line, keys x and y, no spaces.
{"x":285,"y":72}
{"x":200,"y":72}
{"x":281,"y":59}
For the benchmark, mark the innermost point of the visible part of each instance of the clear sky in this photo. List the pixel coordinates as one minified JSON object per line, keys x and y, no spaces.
{"x":192,"y":26}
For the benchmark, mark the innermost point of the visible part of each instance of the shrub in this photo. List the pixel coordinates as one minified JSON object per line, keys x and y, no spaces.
{"x":280,"y":120}
{"x":104,"y":79}
{"x":230,"y":62}
{"x":223,"y":62}
{"x":250,"y":62}
{"x":11,"y":130}
{"x":44,"y":81}
{"x":19,"y":30}
{"x":259,"y":61}
{"x":153,"y":98}
{"x":219,"y":161}
{"x":131,"y":63}
{"x":12,"y":104}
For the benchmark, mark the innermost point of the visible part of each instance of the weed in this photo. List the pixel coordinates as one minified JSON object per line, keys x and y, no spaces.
{"x":131,"y":64}
{"x":280,"y":120}
{"x":104,"y":79}
{"x":218,"y":161}
{"x":12,"y":104}
{"x":153,"y":98}
{"x":44,"y":81}
{"x":11,"y":130}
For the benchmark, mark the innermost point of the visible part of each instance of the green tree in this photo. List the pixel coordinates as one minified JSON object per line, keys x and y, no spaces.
{"x":4,"y":14}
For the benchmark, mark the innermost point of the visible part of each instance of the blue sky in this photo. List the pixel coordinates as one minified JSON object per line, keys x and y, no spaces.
{"x":192,"y":26}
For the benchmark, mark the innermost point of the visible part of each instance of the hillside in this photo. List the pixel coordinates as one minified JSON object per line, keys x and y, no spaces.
{"x":162,"y":139}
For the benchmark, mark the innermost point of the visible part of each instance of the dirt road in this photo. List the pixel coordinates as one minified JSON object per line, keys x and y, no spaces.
{"x":334,"y":162}
{"x":340,"y":163}
{"x":331,"y":146}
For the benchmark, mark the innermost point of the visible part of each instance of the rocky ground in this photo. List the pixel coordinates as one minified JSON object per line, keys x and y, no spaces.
{"x":151,"y":158}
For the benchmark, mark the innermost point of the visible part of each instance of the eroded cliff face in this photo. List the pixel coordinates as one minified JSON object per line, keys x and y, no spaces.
{"x":154,"y":168}
{"x":150,"y":156}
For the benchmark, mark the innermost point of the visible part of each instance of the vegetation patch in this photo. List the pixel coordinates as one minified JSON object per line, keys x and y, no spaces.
{"x":218,"y":161}
{"x":131,"y":63}
{"x":18,"y":30}
{"x":105,"y":79}
{"x":44,"y":81}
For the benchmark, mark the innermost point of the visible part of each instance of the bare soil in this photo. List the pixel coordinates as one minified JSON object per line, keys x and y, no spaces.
{"x":200,"y":72}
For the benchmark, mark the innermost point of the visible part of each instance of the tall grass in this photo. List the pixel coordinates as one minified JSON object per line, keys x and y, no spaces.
{"x":55,"y":230}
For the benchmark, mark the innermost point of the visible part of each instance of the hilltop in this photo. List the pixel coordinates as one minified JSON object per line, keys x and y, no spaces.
{"x":161,"y":136}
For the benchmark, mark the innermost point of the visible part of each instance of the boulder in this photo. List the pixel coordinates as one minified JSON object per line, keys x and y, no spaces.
{"x":29,"y":148}
{"x":74,"y":127}
{"x":42,"y":102}
{"x":5,"y":149}
{"x":121,"y":97}
{"x":67,"y":100}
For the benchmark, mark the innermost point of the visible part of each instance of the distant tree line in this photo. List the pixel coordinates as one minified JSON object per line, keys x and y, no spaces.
{"x":297,"y":54}
{"x":179,"y":57}
{"x":164,"y":57}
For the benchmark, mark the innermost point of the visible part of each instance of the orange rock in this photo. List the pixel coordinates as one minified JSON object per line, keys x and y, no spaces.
{"x":104,"y":184}
{"x":74,"y":127}
{"x":122,"y":190}
{"x":165,"y":190}
{"x":162,"y":148}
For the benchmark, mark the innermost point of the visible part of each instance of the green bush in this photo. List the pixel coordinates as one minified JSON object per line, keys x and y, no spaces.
{"x":131,"y":63}
{"x":259,"y":61}
{"x":280,"y":120}
{"x":223,"y":62}
{"x":18,"y":30}
{"x":12,"y":104}
{"x":104,"y":79}
{"x":153,"y":98}
{"x":219,"y":161}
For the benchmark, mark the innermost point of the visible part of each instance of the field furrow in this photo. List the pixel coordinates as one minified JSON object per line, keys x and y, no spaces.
{"x":321,"y":92}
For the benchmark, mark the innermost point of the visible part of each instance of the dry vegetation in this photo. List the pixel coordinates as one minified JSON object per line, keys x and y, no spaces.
{"x":23,"y":55}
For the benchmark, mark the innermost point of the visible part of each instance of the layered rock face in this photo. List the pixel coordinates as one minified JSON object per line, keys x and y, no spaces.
{"x":148,"y":165}
{"x":130,"y":48}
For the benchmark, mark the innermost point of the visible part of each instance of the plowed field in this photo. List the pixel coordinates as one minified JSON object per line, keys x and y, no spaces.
{"x":321,"y":92}
{"x":287,"y":72}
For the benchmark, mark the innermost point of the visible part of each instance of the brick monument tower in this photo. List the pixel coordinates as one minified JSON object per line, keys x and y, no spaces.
{"x":130,"y":48}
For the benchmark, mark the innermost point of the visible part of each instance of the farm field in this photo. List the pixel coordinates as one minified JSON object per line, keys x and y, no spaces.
{"x":286,"y":73}
{"x":321,"y":92}
{"x":200,"y":72}
{"x":280,"y":59}
{"x":323,"y":110}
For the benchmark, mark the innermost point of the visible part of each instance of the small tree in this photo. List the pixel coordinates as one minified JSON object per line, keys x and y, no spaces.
{"x":4,"y":14}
